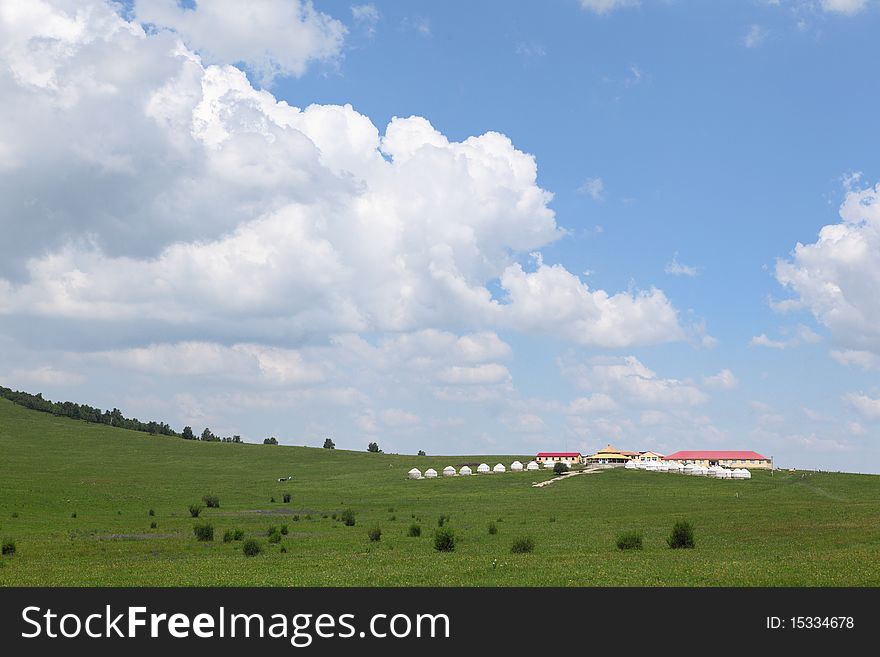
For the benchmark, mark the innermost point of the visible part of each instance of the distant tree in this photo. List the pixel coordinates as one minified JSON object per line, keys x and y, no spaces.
{"x":188,"y":433}
{"x":207,"y":435}
{"x":422,"y":452}
{"x":560,"y":468}
{"x":329,"y":444}
{"x":236,"y":438}
{"x":270,"y":441}
{"x":373,"y":447}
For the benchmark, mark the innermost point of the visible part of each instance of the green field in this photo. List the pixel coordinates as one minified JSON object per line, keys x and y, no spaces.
{"x":802,"y":529}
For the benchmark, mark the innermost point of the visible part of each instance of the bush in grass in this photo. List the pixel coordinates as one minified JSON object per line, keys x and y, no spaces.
{"x":274,"y":535}
{"x":284,"y":530}
{"x":272,"y":500}
{"x":375,"y":534}
{"x":324,"y":516}
{"x":442,"y":520}
{"x":153,"y":525}
{"x":347,"y":518}
{"x":682,"y":535}
{"x":227,"y":536}
{"x":237,"y":534}
{"x":333,"y":517}
{"x":15,"y":514}
{"x":286,"y":498}
{"x":151,"y":513}
{"x":296,"y":518}
{"x":444,"y":540}
{"x":524,"y":545}
{"x":195,"y":510}
{"x":552,"y":518}
{"x":560,"y":468}
{"x":8,"y":548}
{"x":251,"y":547}
{"x":73,"y":515}
{"x":308,"y":516}
{"x":493,"y":528}
{"x":414,"y":530}
{"x":390,"y":509}
{"x":204,"y":532}
{"x":211,"y":501}
{"x":392,"y":519}
{"x":629,"y":541}
{"x":283,"y":550}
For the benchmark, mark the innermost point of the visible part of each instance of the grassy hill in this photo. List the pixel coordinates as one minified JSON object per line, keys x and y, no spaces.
{"x":789,"y":529}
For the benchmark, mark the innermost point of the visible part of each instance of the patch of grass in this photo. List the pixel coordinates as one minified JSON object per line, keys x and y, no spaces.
{"x":251,"y":547}
{"x":8,"y":548}
{"x":15,"y":514}
{"x":443,"y":520}
{"x":524,"y":545}
{"x":414,"y":530}
{"x":493,"y":528}
{"x":195,"y":510}
{"x":347,"y":518}
{"x":375,"y":534}
{"x":204,"y":532}
{"x":308,"y":516}
{"x":631,"y":540}
{"x":682,"y":536}
{"x":211,"y":501}
{"x":444,"y":540}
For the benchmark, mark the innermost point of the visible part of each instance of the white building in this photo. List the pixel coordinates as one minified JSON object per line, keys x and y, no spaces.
{"x":499,"y":467}
{"x":448,"y":471}
{"x":415,"y":473}
{"x":430,"y":473}
{"x":532,"y":465}
{"x":516,"y":466}
{"x":465,"y":471}
{"x":483,"y":468}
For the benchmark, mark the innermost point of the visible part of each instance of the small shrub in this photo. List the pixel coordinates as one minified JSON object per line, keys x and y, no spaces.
{"x":524,"y":545}
{"x":204,"y":532}
{"x":392,"y":519}
{"x":442,"y":520}
{"x":211,"y":501}
{"x":347,"y":518}
{"x":153,"y":525}
{"x":390,"y":509}
{"x":227,"y":536}
{"x":283,"y":550}
{"x":296,"y":518}
{"x":274,"y":535}
{"x":375,"y":534}
{"x":560,"y":468}
{"x":237,"y":534}
{"x":151,"y":513}
{"x":284,"y":530}
{"x":308,"y":516}
{"x":444,"y":540}
{"x":682,"y":535}
{"x":493,"y":528}
{"x":8,"y":548}
{"x":251,"y":547}
{"x":15,"y":514}
{"x":286,"y":498}
{"x":629,"y":541}
{"x":272,"y":500}
{"x":324,"y":516}
{"x":552,"y":518}
{"x":73,"y":515}
{"x":195,"y":510}
{"x":414,"y":530}
{"x":333,"y":517}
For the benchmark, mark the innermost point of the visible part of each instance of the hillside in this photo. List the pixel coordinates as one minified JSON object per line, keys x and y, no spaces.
{"x":786,"y":529}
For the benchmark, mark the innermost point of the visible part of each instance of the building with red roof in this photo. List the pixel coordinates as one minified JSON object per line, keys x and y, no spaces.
{"x":728,"y":458}
{"x":569,"y":458}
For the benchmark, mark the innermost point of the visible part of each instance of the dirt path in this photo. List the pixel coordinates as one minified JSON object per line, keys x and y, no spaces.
{"x":561,"y":477}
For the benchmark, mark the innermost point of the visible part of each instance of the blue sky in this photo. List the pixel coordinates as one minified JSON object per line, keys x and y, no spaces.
{"x":688,"y":148}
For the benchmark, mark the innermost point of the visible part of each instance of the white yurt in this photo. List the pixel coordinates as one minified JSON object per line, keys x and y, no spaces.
{"x":448,"y":471}
{"x":747,"y":474}
{"x":499,"y":467}
{"x":703,"y":472}
{"x":663,"y":467}
{"x":549,"y":465}
{"x":532,"y":465}
{"x":430,"y":473}
{"x":653,"y":466}
{"x":465,"y":471}
{"x":483,"y":468}
{"x":690,"y":469}
{"x":631,"y":465}
{"x":415,"y":473}
{"x":516,"y":466}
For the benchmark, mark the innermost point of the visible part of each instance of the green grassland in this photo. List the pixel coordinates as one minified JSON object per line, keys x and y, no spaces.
{"x":801,"y":529}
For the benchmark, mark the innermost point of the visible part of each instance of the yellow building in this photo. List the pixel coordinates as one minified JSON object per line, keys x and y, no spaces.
{"x":609,"y":455}
{"x":650,"y":457}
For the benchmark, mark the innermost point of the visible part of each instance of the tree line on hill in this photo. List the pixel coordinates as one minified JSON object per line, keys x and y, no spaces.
{"x":113,"y":418}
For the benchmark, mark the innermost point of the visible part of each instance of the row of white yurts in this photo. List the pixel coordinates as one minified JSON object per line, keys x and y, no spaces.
{"x":715,"y":471}
{"x":465,"y":470}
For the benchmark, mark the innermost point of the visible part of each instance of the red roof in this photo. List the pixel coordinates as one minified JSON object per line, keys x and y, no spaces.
{"x":566,"y":454}
{"x":715,"y":455}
